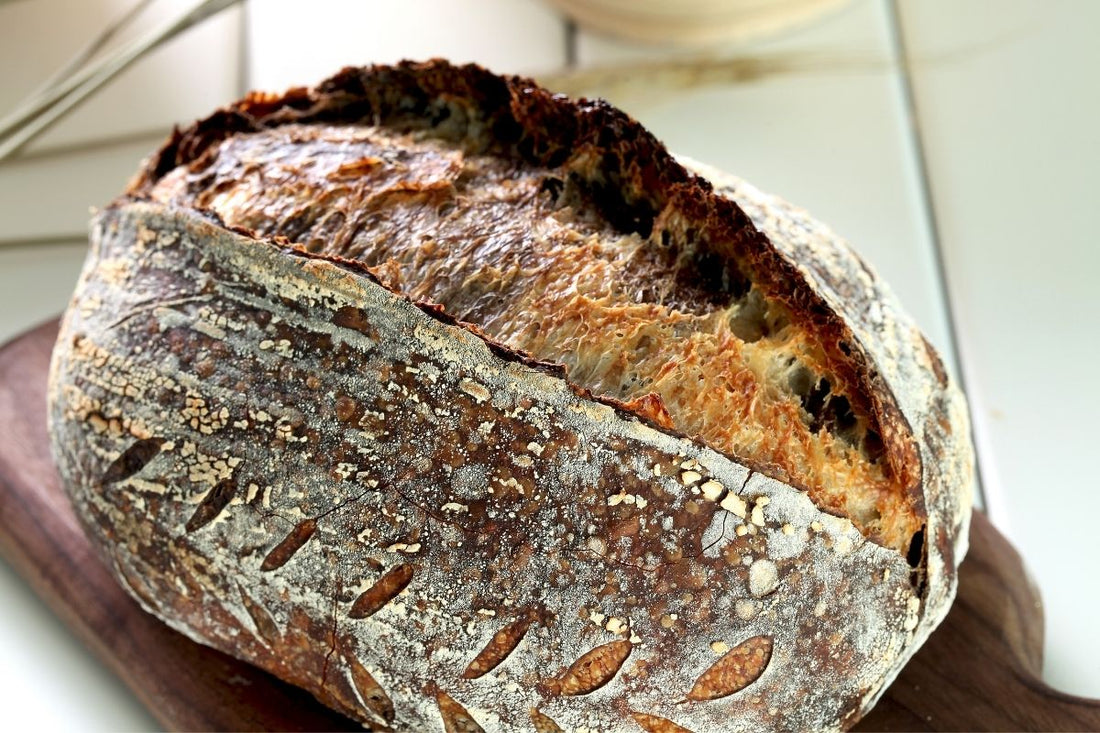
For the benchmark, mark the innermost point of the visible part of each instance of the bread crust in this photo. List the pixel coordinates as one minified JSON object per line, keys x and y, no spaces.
{"x":283,"y":459}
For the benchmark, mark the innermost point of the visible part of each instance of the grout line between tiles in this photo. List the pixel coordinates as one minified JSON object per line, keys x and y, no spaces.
{"x":570,"y":43}
{"x":983,"y":470}
{"x":244,"y":47}
{"x":32,"y":243}
{"x":156,"y":135}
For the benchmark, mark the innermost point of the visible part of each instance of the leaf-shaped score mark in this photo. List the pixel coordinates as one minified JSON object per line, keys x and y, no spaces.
{"x":265,"y":624}
{"x":280,"y":554}
{"x":594,"y":669}
{"x":382,"y":592}
{"x":657,"y":724}
{"x":374,"y":696}
{"x":212,"y":504}
{"x":499,"y":647}
{"x":132,"y":460}
{"x":737,"y":669}
{"x":543,"y":723}
{"x":455,"y":717}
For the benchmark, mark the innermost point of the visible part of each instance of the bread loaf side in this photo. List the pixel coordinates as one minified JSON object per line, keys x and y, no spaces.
{"x":465,"y":405}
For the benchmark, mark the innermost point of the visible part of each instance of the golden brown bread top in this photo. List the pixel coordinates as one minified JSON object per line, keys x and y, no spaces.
{"x":695,"y":329}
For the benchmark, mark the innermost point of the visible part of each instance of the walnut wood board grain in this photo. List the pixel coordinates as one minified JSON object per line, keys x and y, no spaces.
{"x":979,"y":671}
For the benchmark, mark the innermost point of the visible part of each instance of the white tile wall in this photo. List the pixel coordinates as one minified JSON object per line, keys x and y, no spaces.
{"x":36,"y":283}
{"x":288,"y":47}
{"x":48,"y":196}
{"x":1009,"y":107}
{"x":187,"y":77}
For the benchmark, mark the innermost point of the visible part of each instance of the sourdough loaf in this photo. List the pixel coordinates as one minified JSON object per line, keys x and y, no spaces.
{"x":467,"y":406}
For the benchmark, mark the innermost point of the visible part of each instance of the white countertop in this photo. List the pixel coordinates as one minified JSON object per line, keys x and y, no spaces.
{"x":953,"y":141}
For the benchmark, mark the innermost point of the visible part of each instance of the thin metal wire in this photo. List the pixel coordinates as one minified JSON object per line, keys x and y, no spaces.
{"x":22,"y":126}
{"x":73,"y":65}
{"x":921,"y":154}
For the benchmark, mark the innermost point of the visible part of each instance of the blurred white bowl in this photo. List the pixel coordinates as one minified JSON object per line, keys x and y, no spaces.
{"x":692,"y":22}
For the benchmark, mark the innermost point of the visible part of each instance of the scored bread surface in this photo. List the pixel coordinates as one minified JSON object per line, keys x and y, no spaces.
{"x":738,"y":504}
{"x":521,"y":252}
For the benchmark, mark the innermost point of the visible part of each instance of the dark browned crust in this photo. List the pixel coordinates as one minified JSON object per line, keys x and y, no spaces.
{"x":635,"y":182}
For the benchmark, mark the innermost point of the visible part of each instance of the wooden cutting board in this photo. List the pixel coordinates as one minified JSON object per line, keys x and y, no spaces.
{"x":979,"y":671}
